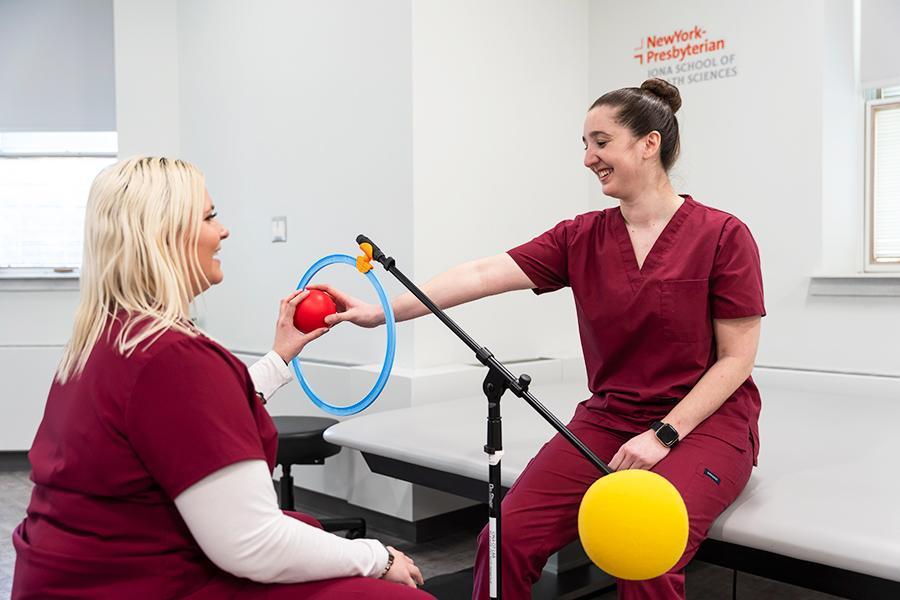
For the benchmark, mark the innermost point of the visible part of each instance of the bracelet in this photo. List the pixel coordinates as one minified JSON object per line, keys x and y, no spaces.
{"x":388,"y":566}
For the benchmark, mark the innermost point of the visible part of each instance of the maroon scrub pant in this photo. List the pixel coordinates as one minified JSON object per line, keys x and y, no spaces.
{"x":540,"y":510}
{"x":345,"y":588}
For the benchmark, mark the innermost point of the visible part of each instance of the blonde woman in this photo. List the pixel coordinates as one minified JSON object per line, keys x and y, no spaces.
{"x":152,"y":464}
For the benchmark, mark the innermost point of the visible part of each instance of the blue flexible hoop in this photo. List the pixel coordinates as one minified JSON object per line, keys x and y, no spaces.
{"x":389,"y":323}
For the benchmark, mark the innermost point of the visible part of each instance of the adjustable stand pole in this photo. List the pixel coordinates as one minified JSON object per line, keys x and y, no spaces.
{"x":498,"y":380}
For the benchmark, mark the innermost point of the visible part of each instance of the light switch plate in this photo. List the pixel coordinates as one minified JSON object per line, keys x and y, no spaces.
{"x":279,"y":229}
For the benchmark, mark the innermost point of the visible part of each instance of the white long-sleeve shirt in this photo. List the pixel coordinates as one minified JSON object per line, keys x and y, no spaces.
{"x":233,"y":514}
{"x":269,"y":374}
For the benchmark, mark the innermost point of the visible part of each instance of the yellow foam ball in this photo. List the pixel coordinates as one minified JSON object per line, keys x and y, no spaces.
{"x":633,"y":524}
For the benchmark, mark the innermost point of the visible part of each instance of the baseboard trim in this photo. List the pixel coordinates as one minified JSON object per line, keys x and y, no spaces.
{"x":14,"y":460}
{"x":471,"y":517}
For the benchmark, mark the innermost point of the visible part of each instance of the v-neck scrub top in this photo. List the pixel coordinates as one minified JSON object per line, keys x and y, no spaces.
{"x":116,"y":446}
{"x":647,"y":333}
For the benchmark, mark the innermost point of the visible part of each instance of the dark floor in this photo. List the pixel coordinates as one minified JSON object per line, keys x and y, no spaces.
{"x":450,"y":554}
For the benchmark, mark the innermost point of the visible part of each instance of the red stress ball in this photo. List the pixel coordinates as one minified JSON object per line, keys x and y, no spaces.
{"x":311,"y":312}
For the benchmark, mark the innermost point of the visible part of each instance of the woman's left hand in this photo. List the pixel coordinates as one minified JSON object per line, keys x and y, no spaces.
{"x":640,"y":452}
{"x":289,"y":340}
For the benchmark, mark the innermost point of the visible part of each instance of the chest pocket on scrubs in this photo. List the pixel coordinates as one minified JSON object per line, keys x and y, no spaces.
{"x":684,"y":306}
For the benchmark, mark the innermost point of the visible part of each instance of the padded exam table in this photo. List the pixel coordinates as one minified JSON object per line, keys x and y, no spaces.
{"x":822,"y":509}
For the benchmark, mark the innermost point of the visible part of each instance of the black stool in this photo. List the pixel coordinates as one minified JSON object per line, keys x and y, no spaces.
{"x":300,"y":442}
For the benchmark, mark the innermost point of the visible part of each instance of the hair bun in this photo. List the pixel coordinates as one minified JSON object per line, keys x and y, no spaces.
{"x":665,"y":91}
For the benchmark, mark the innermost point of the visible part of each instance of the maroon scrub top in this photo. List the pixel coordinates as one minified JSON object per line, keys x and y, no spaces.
{"x":116,"y":445}
{"x":647,"y":334}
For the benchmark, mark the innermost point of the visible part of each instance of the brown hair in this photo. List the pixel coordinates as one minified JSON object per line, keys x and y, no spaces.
{"x":651,"y":107}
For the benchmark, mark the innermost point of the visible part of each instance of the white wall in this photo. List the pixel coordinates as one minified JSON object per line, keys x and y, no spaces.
{"x":499,"y":94}
{"x":842,"y":145}
{"x":378,"y":131}
{"x":778,"y":145}
{"x":146,"y":38}
{"x":34,"y":326}
{"x":300,"y":110}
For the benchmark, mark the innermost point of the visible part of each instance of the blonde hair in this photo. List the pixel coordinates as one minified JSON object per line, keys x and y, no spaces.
{"x":140,"y":262}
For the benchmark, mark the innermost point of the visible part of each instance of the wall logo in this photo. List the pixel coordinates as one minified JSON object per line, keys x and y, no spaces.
{"x":686,"y":56}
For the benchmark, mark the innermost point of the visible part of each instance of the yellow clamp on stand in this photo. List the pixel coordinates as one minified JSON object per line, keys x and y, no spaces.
{"x":364,"y":263}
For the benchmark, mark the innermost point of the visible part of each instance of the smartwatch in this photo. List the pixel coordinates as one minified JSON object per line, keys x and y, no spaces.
{"x":665,"y":433}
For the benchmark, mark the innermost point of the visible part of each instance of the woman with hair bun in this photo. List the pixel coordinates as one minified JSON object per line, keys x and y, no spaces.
{"x":669,"y":299}
{"x":152,"y":464}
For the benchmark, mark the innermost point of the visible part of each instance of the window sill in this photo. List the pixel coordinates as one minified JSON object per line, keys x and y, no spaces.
{"x":38,"y":280}
{"x":855,"y":284}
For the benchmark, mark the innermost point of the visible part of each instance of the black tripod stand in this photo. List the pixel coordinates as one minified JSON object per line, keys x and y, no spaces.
{"x":498,"y":380}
